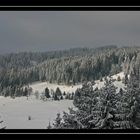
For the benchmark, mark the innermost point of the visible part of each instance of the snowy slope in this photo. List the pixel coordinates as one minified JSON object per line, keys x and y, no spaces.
{"x":40,"y":86}
{"x":121,"y":74}
{"x":118,"y":84}
{"x":15,"y":112}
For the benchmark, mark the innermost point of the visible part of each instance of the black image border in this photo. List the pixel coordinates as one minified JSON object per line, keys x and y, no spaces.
{"x":68,"y":8}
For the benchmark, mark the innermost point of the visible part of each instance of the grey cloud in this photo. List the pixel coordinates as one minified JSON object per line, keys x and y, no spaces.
{"x":49,"y":30}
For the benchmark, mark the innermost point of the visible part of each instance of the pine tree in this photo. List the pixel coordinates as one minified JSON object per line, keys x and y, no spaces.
{"x":121,"y":92}
{"x":26,"y":91}
{"x":126,"y":79}
{"x":58,"y":92}
{"x":64,"y":93}
{"x":118,"y":78}
{"x":57,"y":122}
{"x":78,"y":119}
{"x":105,"y":107}
{"x":101,"y":79}
{"x":61,"y":98}
{"x":2,"y":126}
{"x":55,"y":97}
{"x":49,"y":126}
{"x":47,"y":92}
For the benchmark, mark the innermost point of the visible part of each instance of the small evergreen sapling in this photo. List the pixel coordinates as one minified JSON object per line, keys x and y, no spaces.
{"x":2,"y":126}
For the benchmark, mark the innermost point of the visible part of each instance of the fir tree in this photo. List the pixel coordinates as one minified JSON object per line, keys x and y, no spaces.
{"x":64,"y":93}
{"x":55,"y":97}
{"x":126,"y":79}
{"x":58,"y":92}
{"x":2,"y":126}
{"x":47,"y":92}
{"x":57,"y":122}
{"x":118,"y":78}
{"x":49,"y":126}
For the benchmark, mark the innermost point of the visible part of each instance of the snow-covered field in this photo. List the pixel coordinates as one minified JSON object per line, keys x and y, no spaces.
{"x":15,"y":112}
{"x":40,"y":87}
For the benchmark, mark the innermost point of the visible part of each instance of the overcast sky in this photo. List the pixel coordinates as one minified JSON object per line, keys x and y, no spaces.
{"x":55,"y":30}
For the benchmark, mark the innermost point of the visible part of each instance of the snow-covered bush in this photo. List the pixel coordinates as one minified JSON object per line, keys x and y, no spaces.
{"x":36,"y":95}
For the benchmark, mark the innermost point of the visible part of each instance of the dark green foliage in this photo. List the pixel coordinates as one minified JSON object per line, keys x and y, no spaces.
{"x":121,"y":92}
{"x":58,"y":92}
{"x":126,"y":79}
{"x":72,"y":96}
{"x":61,"y":98}
{"x":25,"y":92}
{"x":55,"y":97}
{"x":118,"y":78}
{"x":47,"y":93}
{"x":64,"y":93}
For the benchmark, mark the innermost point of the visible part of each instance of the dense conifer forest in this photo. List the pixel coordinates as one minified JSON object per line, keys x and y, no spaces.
{"x":68,"y":67}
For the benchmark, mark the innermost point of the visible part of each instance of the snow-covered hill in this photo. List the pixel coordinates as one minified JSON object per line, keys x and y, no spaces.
{"x":40,"y":86}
